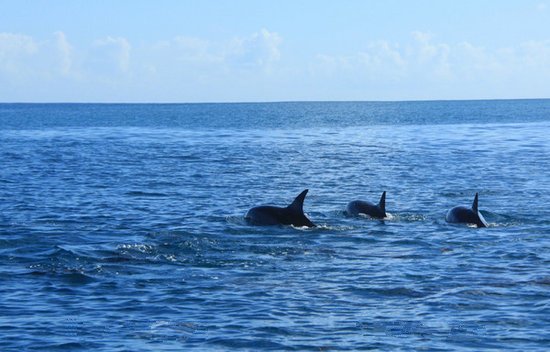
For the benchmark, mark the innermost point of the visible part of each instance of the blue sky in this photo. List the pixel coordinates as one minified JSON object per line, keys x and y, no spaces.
{"x":232,"y":50}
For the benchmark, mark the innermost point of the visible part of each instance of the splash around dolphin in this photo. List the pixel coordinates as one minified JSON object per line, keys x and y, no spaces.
{"x":376,"y":211}
{"x":293,"y":214}
{"x":465,"y":215}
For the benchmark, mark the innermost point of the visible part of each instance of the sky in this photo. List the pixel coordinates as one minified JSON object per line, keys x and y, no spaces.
{"x":280,"y":50}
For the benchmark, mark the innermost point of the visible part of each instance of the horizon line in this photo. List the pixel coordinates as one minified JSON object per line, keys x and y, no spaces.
{"x":265,"y":102}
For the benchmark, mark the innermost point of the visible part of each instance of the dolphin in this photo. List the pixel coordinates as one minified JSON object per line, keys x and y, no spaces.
{"x":462,"y":214}
{"x":377,"y":211}
{"x":272,"y":215}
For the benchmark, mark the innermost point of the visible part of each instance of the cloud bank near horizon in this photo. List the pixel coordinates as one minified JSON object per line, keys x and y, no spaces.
{"x":259,"y":67}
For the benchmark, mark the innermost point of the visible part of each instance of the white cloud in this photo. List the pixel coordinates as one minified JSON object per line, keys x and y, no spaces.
{"x":429,"y":56}
{"x":380,"y":60}
{"x":260,"y":49}
{"x":65,"y":51}
{"x":192,"y":69}
{"x":189,"y":50}
{"x":197,"y":57}
{"x":472,"y":62}
{"x":16,"y":44}
{"x":193,"y":49}
{"x":440,"y":61}
{"x":383,"y":54}
{"x":24,"y":58}
{"x":536,"y":55}
{"x":378,"y":54}
{"x":111,"y":51}
{"x":15,"y":51}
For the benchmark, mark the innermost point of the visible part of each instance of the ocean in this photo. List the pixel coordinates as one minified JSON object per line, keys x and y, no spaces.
{"x":122,"y":226}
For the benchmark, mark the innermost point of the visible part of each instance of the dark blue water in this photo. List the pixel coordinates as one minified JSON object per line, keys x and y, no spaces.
{"x":121,"y":227}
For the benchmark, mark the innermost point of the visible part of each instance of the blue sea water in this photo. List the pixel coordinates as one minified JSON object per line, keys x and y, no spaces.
{"x":121,"y":226}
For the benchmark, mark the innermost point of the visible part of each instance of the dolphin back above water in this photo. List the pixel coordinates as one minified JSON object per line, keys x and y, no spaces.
{"x":465,"y":215}
{"x":377,"y":211}
{"x":271,"y":215}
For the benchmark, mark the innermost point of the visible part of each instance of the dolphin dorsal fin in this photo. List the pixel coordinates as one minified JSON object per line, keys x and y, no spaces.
{"x":298,"y":203}
{"x":382,"y":202}
{"x":474,"y":205}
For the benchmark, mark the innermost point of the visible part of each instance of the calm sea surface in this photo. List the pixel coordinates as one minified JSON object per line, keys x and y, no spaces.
{"x":121,"y":227}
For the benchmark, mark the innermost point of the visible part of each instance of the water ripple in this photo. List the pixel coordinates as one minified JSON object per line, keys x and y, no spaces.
{"x":139,"y":230}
